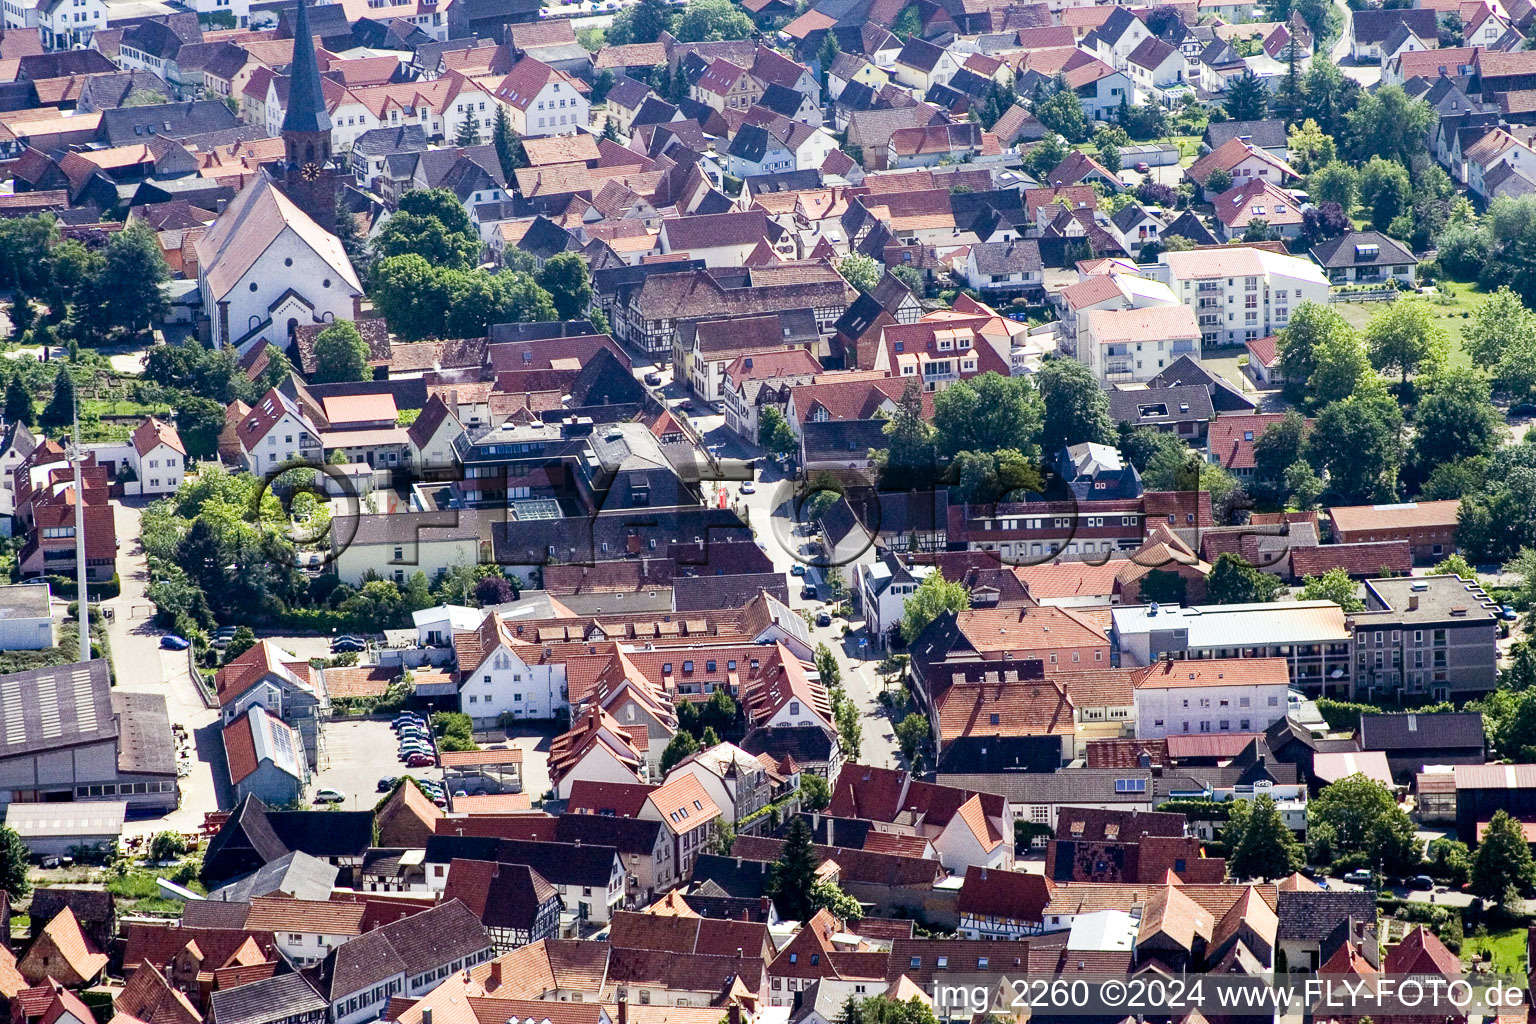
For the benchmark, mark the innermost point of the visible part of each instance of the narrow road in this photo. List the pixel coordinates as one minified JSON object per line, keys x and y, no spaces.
{"x":142,"y":667}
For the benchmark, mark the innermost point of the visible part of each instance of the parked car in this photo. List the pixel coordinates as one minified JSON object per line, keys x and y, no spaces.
{"x":653,"y":379}
{"x":1360,"y":876}
{"x":330,"y":796}
{"x":749,"y":488}
{"x":797,"y":569}
{"x":420,"y":760}
{"x":172,"y":642}
{"x":823,"y":619}
{"x":386,"y":784}
{"x":348,"y":645}
{"x":808,"y":592}
{"x":407,"y":749}
{"x":1141,"y":167}
{"x":405,"y":718}
{"x":1507,"y":613}
{"x":1419,"y":882}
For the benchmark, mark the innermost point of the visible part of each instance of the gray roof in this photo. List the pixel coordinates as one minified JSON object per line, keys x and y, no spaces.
{"x":47,"y":708}
{"x":266,"y":1001}
{"x":25,"y":601}
{"x":1182,"y":403}
{"x":125,"y":125}
{"x":1095,"y":785}
{"x":1425,"y":600}
{"x":1412,"y":732}
{"x":1021,"y":256}
{"x":1345,"y":251}
{"x":144,"y":742}
{"x":297,"y":875}
{"x":1377,"y":26}
{"x":307,"y":111}
{"x":447,"y":932}
{"x":406,"y":138}
{"x":1266,"y":134}
{"x":1310,"y":916}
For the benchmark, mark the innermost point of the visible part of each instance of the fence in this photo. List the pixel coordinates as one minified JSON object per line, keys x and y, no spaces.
{"x":1366,"y":295}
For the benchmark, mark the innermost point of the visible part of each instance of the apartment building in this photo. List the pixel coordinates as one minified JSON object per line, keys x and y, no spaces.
{"x":1241,"y":293}
{"x":1135,"y":345}
{"x":1312,"y":636}
{"x":1425,"y":635}
{"x":1220,"y":695}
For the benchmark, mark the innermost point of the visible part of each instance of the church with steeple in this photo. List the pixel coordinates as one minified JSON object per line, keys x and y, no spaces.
{"x":271,"y":261}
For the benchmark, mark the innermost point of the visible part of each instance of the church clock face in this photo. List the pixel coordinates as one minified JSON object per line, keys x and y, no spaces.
{"x":310,"y":171}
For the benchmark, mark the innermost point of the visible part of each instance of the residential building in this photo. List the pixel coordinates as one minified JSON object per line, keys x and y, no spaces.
{"x":1410,"y":741}
{"x":1119,"y":346}
{"x":1429,"y":527}
{"x":1220,"y":695}
{"x":541,"y":100}
{"x":1425,"y":635}
{"x":1366,"y":257}
{"x":1241,"y":293}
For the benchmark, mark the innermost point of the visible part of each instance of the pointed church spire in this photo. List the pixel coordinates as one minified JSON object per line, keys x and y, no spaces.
{"x":306,"y":103}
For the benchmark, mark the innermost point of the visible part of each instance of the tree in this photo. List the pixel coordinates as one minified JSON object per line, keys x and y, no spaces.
{"x":1109,"y":139}
{"x":610,"y":129}
{"x":602,"y":82}
{"x":1324,"y":221}
{"x":986,"y":413}
{"x":1343,"y":367}
{"x":1404,"y":336}
{"x":1455,"y":419}
{"x":1046,"y":155}
{"x":509,"y":148}
{"x":1334,"y":182}
{"x":1360,"y":816}
{"x":433,"y":224}
{"x":1357,"y":441}
{"x":1387,"y":123}
{"x":1171,"y":470}
{"x":827,"y":668}
{"x":792,"y":878}
{"x":243,"y":640}
{"x":1450,"y":860}
{"x":828,"y":895}
{"x":1499,"y":323}
{"x":341,"y":354}
{"x":1234,"y":581}
{"x":1076,"y":407}
{"x":1310,"y":146}
{"x":1246,"y":98}
{"x":1218,"y":181}
{"x":1303,"y":484}
{"x":1455,"y":565}
{"x":774,"y":435}
{"x":59,"y":413}
{"x":14,"y":864}
{"x":19,"y":407}
{"x":564,"y":276}
{"x":705,"y":21}
{"x":815,"y":794}
{"x":494,"y":590}
{"x":911,"y":735}
{"x":1155,"y":193}
{"x":929,"y":599}
{"x":1140,"y":445}
{"x":1385,"y":190}
{"x":1062,"y":112}
{"x":825,"y":57}
{"x":1006,"y":474}
{"x":1268,"y":849}
{"x":860,"y":271}
{"x":1163,"y":586}
{"x":681,"y":746}
{"x":1334,"y":585}
{"x":1502,"y":862}
{"x":1277,"y":449}
{"x":126,"y":292}
{"x":910,"y":459}
{"x":642,"y":23}
{"x":469,"y":131}
{"x":1257,"y":230}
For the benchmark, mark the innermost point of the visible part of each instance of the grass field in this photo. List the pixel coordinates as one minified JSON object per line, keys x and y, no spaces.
{"x":1464,"y":299}
{"x":1507,"y":949}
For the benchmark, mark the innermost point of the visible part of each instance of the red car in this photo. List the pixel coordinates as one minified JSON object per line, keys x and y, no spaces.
{"x":420,"y":761}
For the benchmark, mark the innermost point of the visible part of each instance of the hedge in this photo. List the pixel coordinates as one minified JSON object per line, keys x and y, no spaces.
{"x":64,"y":586}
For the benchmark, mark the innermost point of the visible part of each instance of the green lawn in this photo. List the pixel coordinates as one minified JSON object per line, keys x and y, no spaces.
{"x":1507,"y":949}
{"x":1464,"y":298}
{"x":121,"y":407}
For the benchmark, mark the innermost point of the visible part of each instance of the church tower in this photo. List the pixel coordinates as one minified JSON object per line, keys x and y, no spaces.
{"x":309,"y":180}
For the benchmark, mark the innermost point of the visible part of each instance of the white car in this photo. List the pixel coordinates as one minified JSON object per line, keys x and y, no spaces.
{"x":330,"y":796}
{"x":749,"y":488}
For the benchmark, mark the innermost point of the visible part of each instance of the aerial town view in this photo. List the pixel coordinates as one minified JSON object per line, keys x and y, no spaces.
{"x":767,"y":511}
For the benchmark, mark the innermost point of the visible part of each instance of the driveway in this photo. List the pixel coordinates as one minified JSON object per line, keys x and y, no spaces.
{"x":1366,"y":74}
{"x":142,"y":667}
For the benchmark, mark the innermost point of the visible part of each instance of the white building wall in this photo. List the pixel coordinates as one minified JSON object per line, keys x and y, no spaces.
{"x":1175,"y":710}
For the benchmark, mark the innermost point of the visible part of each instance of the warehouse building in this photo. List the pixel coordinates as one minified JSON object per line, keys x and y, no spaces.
{"x":65,"y":735}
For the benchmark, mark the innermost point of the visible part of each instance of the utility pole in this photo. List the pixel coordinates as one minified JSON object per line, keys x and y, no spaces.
{"x":76,"y":455}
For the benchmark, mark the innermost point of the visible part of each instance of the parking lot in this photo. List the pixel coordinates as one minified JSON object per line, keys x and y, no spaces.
{"x":355,"y":756}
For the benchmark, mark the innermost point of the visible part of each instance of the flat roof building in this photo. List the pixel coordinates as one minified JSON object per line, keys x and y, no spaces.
{"x":26,"y":618}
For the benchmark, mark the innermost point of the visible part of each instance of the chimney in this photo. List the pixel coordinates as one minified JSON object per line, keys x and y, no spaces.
{"x":1413,"y":602}
{"x":426,"y":1015}
{"x":623,"y":1012}
{"x":493,"y":981}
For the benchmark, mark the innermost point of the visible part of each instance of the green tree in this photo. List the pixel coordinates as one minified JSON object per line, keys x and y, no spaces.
{"x":827,"y":668}
{"x":243,"y":640}
{"x":1360,"y":816}
{"x":1218,"y":181}
{"x":1139,"y":445}
{"x":1046,"y":155}
{"x":433,"y":224}
{"x":1109,"y":140}
{"x":1502,"y":864}
{"x":1277,"y":449}
{"x":912,"y":735}
{"x":59,"y":413}
{"x":682,"y":745}
{"x":1334,"y":585}
{"x":509,"y":148}
{"x":860,"y":271}
{"x":1311,"y":148}
{"x":1334,"y":182}
{"x":1387,"y":123}
{"x":642,"y":23}
{"x":825,"y":58}
{"x":1006,"y":474}
{"x":828,"y":895}
{"x":1246,"y":98}
{"x":1386,"y":190}
{"x":706,"y":21}
{"x":1500,"y":322}
{"x":929,"y":599}
{"x":1342,"y":367}
{"x":1450,"y":860}
{"x":19,"y":407}
{"x":1268,"y":848}
{"x":1062,"y":112}
{"x":1358,"y":442}
{"x":1257,"y":230}
{"x":986,"y":413}
{"x":25,"y":247}
{"x":1455,"y":419}
{"x":792,"y":878}
{"x":1404,"y":336}
{"x":469,"y":131}
{"x":1164,"y":586}
{"x":910,"y":459}
{"x":815,"y":794}
{"x":774,"y":435}
{"x":166,"y":846}
{"x":127,"y":289}
{"x":1303,"y":485}
{"x":341,"y":354}
{"x":1234,"y":581}
{"x":1455,"y":565}
{"x":14,"y":866}
{"x":1076,"y":407}
{"x":564,"y":276}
